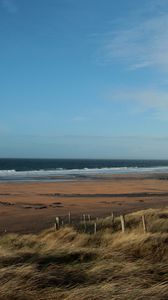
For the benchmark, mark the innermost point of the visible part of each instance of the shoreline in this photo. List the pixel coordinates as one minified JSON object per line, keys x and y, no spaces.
{"x":19,"y":177}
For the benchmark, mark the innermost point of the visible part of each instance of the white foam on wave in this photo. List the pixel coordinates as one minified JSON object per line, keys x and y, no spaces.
{"x":7,"y":172}
{"x":13,"y":174}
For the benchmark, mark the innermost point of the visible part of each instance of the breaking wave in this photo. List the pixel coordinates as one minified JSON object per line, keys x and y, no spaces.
{"x":58,"y":173}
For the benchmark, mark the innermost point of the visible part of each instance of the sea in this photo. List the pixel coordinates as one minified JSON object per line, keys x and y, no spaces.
{"x":72,"y":169}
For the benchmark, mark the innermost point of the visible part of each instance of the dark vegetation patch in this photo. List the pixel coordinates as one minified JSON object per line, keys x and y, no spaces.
{"x":4,"y":203}
{"x":131,"y":195}
{"x":33,"y":206}
{"x":56,"y":204}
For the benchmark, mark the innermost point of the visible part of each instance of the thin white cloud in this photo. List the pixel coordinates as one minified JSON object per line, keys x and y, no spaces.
{"x":79,"y":119}
{"x":141,"y":42}
{"x":70,"y":137}
{"x":138,"y":44}
{"x":155,"y":100}
{"x":149,"y":98}
{"x":10,"y":6}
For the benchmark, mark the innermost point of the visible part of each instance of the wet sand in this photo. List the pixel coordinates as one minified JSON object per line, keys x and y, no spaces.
{"x":33,"y":206}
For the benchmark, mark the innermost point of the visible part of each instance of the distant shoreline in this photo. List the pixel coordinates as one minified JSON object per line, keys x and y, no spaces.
{"x":85,"y":177}
{"x":47,"y":170}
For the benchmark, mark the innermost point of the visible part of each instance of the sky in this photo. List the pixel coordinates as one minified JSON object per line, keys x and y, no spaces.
{"x":84,"y":79}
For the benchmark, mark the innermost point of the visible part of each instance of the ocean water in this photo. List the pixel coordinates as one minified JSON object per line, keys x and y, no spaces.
{"x":71,"y":169}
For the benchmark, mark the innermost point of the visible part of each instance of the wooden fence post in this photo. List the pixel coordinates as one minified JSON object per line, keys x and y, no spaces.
{"x":144,"y":224}
{"x":89,"y":218}
{"x":69,"y":218}
{"x":95,"y":228}
{"x":57,"y":223}
{"x":122,"y":223}
{"x":112,"y":218}
{"x":84,"y":222}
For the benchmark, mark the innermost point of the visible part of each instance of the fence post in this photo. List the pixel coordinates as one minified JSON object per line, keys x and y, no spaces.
{"x":57,"y":223}
{"x":69,"y":218}
{"x":95,"y":228}
{"x":84,"y":218}
{"x":144,"y":224}
{"x":84,"y":222}
{"x":112,"y":218}
{"x":122,"y":223}
{"x":89,"y":218}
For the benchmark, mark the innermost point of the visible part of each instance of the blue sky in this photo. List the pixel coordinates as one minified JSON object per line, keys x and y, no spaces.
{"x":84,"y":78}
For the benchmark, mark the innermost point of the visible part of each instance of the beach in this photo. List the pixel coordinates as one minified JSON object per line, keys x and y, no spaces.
{"x":32,"y":206}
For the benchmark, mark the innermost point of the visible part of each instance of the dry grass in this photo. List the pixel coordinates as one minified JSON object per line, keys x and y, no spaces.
{"x":68,"y":264}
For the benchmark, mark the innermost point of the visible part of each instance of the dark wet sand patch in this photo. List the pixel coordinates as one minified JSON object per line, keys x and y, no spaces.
{"x":123,"y":195}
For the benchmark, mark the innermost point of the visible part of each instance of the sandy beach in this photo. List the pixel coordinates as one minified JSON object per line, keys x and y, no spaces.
{"x":33,"y":206}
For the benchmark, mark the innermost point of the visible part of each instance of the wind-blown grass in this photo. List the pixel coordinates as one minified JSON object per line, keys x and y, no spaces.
{"x":72,"y":265}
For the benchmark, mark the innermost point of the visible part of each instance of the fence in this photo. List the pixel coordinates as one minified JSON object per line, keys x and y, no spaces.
{"x":92,"y":225}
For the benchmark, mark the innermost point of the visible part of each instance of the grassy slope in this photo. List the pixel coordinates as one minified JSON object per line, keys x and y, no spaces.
{"x":70,"y":265}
